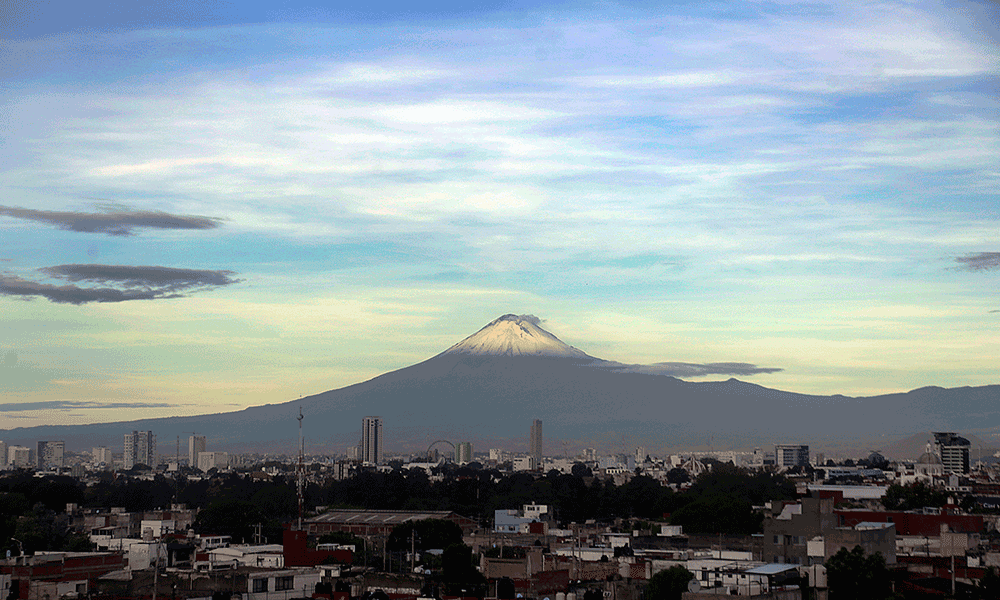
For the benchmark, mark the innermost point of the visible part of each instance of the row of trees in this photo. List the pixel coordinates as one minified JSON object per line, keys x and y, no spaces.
{"x":719,"y":501}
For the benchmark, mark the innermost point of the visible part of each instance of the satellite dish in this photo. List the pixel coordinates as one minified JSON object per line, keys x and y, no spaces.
{"x":694,"y":586}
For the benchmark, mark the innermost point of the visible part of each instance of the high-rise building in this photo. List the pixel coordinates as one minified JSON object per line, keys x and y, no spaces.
{"x":371,"y":440}
{"x":196,"y":445}
{"x":102,"y":456}
{"x":50,"y":455}
{"x":212,"y":460}
{"x":140,"y":449}
{"x":19,"y":456}
{"x":3,"y":455}
{"x":535,"y":444}
{"x":954,"y":451}
{"x":463,"y":453}
{"x":791,"y":455}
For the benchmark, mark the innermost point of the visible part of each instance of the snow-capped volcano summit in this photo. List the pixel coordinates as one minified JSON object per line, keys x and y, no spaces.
{"x":515,"y":335}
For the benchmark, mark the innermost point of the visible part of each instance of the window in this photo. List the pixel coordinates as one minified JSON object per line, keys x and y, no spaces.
{"x":259,"y":585}
{"x":284,"y":583}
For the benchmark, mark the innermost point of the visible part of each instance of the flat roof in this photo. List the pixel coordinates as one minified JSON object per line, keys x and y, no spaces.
{"x":377,"y":517}
{"x":771,"y":569}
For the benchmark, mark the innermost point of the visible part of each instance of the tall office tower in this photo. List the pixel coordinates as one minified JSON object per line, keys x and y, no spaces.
{"x":50,"y":454}
{"x":140,"y":449}
{"x":102,"y":456}
{"x":19,"y":456}
{"x":954,"y":451}
{"x":196,"y":444}
{"x":535,"y":444}
{"x":371,"y":440}
{"x":791,"y":455}
{"x":463,"y":453}
{"x":3,"y":455}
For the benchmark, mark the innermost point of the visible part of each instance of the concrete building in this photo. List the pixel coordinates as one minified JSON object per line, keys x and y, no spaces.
{"x":524,"y":463}
{"x":139,"y":449}
{"x":371,"y":440}
{"x":791,"y":455}
{"x":280,"y":585}
{"x":463,"y":453}
{"x":103,"y":456}
{"x":520,"y":521}
{"x":213,"y":460}
{"x":3,"y":455}
{"x":808,"y":532}
{"x":953,"y":450}
{"x":196,"y":445}
{"x":19,"y":457}
{"x":535,"y":443}
{"x":50,"y":455}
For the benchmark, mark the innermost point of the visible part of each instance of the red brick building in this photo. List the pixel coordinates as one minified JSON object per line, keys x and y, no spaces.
{"x":914,"y":523}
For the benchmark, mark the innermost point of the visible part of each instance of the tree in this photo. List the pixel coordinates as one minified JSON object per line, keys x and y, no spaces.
{"x":668,"y":584}
{"x":853,"y":575}
{"x":430,"y":534}
{"x":989,"y":586}
{"x":459,"y":572}
{"x":678,"y":475}
{"x":913,"y":496}
{"x":718,"y":514}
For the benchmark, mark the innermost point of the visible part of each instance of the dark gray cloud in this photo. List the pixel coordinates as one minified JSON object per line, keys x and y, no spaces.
{"x":112,"y":221}
{"x":77,"y":404}
{"x":679,"y":369}
{"x":123,"y":283}
{"x":981,"y":261}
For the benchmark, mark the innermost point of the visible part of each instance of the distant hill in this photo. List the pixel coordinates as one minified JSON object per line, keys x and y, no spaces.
{"x":487,"y":389}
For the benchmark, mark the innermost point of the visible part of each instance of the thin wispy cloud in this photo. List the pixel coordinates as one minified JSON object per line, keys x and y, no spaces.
{"x":63,"y":405}
{"x":684,"y":370}
{"x":128,"y":283}
{"x":980,"y":261}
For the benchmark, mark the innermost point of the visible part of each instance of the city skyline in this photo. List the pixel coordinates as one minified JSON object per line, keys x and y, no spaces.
{"x":211,"y":208}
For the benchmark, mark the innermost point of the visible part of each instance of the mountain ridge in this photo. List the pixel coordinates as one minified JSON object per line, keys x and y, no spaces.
{"x":493,"y":393}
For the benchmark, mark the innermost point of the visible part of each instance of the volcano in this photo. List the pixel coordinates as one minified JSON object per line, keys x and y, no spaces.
{"x":489,"y":387}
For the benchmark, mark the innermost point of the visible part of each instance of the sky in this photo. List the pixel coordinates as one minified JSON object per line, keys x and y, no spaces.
{"x":215,"y":205}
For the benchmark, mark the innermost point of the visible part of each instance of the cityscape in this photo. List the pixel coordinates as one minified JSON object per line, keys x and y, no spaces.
{"x":779,"y":522}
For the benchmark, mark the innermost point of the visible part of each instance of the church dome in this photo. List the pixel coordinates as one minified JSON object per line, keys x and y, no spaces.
{"x":929,"y":458}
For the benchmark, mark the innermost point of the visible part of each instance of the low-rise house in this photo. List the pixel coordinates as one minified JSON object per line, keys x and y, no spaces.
{"x":57,"y":574}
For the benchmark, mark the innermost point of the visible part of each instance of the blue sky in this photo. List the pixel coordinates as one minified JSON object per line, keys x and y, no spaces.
{"x":225,"y":205}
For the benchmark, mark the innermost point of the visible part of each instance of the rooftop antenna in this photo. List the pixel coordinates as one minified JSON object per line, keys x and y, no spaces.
{"x":301,"y":470}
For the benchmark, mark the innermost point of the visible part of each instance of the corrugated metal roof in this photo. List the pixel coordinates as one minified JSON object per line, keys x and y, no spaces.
{"x":377,"y":516}
{"x":771,"y":569}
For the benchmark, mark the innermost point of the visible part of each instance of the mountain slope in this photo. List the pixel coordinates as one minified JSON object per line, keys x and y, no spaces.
{"x":490,"y":386}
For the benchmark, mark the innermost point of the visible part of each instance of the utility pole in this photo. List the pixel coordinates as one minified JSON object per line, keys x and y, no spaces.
{"x":413,"y":547}
{"x":300,"y":483}
{"x":156,"y":568}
